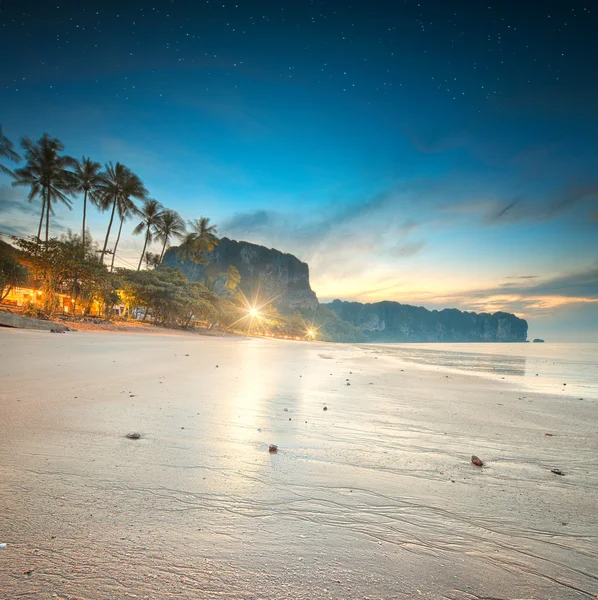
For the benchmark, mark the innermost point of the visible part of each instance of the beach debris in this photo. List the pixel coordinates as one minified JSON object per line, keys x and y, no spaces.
{"x":348,"y":383}
{"x":289,"y":418}
{"x":347,"y":379}
{"x":286,"y":410}
{"x":325,"y":408}
{"x":186,"y":355}
{"x":56,"y":331}
{"x":557,"y":471}
{"x":28,"y":572}
{"x":133,"y":435}
{"x":217,"y":366}
{"x":350,"y":372}
{"x":549,"y":434}
{"x":2,"y":546}
{"x":476,"y":461}
{"x":259,"y":428}
{"x":273,"y":448}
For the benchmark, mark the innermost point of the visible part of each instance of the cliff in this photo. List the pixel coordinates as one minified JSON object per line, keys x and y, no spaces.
{"x":394,"y":322}
{"x":266,"y":273}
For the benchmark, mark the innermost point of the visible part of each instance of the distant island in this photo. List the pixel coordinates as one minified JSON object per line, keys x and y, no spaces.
{"x":538,"y":341}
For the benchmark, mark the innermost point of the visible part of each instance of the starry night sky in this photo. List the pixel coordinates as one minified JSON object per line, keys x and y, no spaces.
{"x":442,"y":153}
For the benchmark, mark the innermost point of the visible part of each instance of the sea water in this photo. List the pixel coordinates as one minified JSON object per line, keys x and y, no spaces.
{"x":560,"y":368}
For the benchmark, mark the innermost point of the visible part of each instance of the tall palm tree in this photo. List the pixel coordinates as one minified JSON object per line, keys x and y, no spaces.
{"x":47,"y":174}
{"x":117,"y":182}
{"x":151,"y":214}
{"x":6,"y":151}
{"x":126,"y":209}
{"x":87,"y":179}
{"x":170,"y":225}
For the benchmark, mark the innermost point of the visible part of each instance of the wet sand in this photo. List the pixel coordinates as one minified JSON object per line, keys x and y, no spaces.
{"x":374,"y":498}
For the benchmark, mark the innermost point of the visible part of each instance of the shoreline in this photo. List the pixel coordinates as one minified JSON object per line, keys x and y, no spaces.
{"x":374,"y":498}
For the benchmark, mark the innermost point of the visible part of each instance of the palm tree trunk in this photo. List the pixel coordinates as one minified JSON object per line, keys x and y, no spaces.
{"x":48,"y":221}
{"x":108,"y":232}
{"x":116,"y":245}
{"x":84,"y":215}
{"x":144,"y":247}
{"x":163,"y":248}
{"x":41,"y":221}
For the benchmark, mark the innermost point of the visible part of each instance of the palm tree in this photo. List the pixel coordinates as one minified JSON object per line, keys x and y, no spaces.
{"x":188,"y":252}
{"x":87,"y":179}
{"x":117,"y":182}
{"x":6,"y":151}
{"x":170,"y":225}
{"x":152,"y":260}
{"x":200,"y":240}
{"x":205,"y":234}
{"x":47,"y":174}
{"x":151,"y":214}
{"x":126,"y":209}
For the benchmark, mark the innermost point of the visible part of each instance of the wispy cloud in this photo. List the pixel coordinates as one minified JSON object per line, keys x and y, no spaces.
{"x":20,"y":217}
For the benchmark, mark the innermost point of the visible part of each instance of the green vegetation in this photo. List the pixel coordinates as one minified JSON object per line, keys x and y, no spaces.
{"x":12,"y":273}
{"x":329,"y":327}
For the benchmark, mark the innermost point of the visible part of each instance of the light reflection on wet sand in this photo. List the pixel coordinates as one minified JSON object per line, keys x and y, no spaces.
{"x":374,"y":498}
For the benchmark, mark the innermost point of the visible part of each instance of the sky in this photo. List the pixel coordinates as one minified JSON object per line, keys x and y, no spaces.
{"x":439,"y":153}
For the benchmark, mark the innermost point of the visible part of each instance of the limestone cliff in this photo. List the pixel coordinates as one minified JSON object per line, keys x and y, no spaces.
{"x":394,"y":322}
{"x":265,"y":271}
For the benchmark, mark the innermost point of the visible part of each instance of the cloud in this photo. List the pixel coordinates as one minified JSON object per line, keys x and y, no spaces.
{"x":248,"y":222}
{"x":505,"y":210}
{"x":533,"y":296}
{"x":582,"y":284}
{"x":337,"y":242}
{"x":17,"y":216}
{"x":409,"y":249}
{"x":20,"y":217}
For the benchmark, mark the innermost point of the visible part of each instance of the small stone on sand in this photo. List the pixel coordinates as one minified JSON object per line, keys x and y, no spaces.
{"x":476,"y":461}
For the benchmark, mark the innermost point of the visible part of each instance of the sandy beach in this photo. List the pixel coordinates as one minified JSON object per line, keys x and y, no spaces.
{"x":375,"y":497}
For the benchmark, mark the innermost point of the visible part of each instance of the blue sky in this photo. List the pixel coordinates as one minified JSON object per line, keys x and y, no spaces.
{"x":425,"y":152}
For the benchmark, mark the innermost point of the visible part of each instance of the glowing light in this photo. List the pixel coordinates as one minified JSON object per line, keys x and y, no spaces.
{"x":254,"y":312}
{"x":311,"y":333}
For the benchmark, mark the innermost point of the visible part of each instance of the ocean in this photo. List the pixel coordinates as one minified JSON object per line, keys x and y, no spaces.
{"x":556,"y":368}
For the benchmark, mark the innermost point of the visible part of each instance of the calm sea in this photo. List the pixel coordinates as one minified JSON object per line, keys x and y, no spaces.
{"x":542,"y":367}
